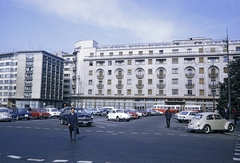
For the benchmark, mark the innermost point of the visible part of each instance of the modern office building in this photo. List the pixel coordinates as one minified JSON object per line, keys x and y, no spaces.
{"x":31,"y":79}
{"x":142,"y":75}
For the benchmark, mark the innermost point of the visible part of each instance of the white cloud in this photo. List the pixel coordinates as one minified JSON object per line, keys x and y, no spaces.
{"x":110,"y":14}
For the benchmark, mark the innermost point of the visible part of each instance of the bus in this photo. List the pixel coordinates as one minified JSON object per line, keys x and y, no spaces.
{"x":161,"y":109}
{"x":192,"y":107}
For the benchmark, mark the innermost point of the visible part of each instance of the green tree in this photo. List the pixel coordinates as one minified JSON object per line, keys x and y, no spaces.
{"x":234,"y":75}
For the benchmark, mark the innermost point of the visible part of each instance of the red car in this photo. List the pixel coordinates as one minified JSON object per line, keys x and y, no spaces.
{"x":133,"y":114}
{"x":40,"y":113}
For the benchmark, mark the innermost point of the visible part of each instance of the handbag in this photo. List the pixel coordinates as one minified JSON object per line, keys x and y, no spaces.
{"x":77,"y":131}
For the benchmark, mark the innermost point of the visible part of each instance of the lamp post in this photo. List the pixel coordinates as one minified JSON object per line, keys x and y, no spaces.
{"x":78,"y":89}
{"x":228,"y":65}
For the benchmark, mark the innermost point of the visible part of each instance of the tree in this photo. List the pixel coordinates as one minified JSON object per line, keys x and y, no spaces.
{"x":234,"y":74}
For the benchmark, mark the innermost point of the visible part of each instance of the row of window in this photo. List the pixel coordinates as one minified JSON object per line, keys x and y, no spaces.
{"x":161,"y":51}
{"x":158,"y":61}
{"x":150,"y":92}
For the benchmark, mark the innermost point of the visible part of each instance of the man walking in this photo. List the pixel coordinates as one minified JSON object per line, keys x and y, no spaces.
{"x":168,"y":116}
{"x":226,"y":113}
{"x":72,"y":124}
{"x":235,"y":115}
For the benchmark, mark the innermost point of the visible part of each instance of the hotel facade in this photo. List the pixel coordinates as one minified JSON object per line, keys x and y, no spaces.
{"x":182,"y":72}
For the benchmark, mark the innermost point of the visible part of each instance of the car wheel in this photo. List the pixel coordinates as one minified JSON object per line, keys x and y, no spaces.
{"x":206,"y":129}
{"x":230,"y":128}
{"x":192,"y":131}
{"x":180,"y":121}
{"x":107,"y":118}
{"x":17,"y":118}
{"x":117,"y":118}
{"x":127,"y":120}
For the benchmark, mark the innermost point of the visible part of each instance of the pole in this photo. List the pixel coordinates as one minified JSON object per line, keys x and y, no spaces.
{"x":229,"y":90}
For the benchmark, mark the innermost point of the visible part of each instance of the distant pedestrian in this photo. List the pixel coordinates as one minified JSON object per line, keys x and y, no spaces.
{"x":168,"y":116}
{"x":72,"y":124}
{"x":235,"y":115}
{"x":226,"y":113}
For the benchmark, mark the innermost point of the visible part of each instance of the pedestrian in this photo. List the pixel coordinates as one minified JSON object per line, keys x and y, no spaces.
{"x":72,"y":124}
{"x":168,"y":116}
{"x":235,"y":115}
{"x":226,"y":113}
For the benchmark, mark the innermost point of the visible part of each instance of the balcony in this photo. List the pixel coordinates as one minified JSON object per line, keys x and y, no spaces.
{"x":119,"y":76}
{"x":139,"y":86}
{"x":100,"y":77}
{"x":139,"y":76}
{"x":189,"y":75}
{"x":213,"y":86}
{"x":74,"y":77}
{"x":161,"y":76}
{"x":189,"y":86}
{"x":161,"y":86}
{"x":213,"y":75}
{"x":119,"y":86}
{"x":28,"y":78}
{"x":100,"y":86}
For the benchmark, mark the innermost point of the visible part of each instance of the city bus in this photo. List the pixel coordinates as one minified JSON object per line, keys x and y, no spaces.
{"x":161,"y":109}
{"x":192,"y":107}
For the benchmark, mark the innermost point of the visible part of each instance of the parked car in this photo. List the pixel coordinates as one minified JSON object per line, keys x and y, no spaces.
{"x":92,"y":111}
{"x":209,"y":121}
{"x":83,"y":117}
{"x":118,"y":115}
{"x":54,"y":112}
{"x":39,"y":113}
{"x":104,"y":111}
{"x":186,"y":115}
{"x":5,"y":114}
{"x":152,"y":112}
{"x":20,"y":113}
{"x":132,"y":114}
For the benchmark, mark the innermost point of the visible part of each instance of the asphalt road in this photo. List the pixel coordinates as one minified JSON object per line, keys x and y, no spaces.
{"x":145,"y":140}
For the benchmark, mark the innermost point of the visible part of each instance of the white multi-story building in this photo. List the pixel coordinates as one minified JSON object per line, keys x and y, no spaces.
{"x":142,"y":75}
{"x":31,"y":79}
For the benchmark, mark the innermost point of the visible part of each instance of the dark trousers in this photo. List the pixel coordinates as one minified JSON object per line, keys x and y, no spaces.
{"x":71,"y":130}
{"x":168,"y":122}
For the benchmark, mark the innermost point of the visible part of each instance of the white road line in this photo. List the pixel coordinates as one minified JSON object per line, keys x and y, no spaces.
{"x":88,"y":130}
{"x":134,"y":133}
{"x":60,"y":160}
{"x":18,"y":126}
{"x":158,"y":133}
{"x":13,"y":156}
{"x":238,"y":154}
{"x":237,"y":150}
{"x":145,"y":133}
{"x":237,"y":147}
{"x":37,"y":128}
{"x":171,"y":134}
{"x":99,"y":131}
{"x":56,"y":129}
{"x":47,"y":128}
{"x":110,"y":131}
{"x":121,"y":132}
{"x":236,"y":159}
{"x":183,"y":135}
{"x":237,"y":144}
{"x":28,"y":127}
{"x":84,"y":161}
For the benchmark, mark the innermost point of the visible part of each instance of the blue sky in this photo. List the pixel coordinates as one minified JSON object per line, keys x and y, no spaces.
{"x":55,"y":25}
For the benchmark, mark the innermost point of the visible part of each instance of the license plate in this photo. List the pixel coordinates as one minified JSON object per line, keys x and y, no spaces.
{"x":26,"y":115}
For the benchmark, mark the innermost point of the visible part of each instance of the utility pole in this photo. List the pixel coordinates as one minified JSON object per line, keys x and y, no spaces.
{"x":229,"y":84}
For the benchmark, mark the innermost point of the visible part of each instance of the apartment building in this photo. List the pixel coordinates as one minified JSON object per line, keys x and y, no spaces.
{"x":31,"y":79}
{"x":142,"y":75}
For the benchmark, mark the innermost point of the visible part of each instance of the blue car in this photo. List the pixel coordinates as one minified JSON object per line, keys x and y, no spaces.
{"x":20,"y":113}
{"x":83,"y":117}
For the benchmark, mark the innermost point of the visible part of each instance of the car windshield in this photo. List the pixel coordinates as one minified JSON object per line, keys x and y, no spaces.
{"x":119,"y":111}
{"x":54,"y":110}
{"x":198,"y":116}
{"x":183,"y":113}
{"x":22,"y":110}
{"x":79,"y":111}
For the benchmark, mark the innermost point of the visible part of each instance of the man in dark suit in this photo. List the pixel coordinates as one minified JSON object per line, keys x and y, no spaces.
{"x":72,"y":124}
{"x":168,"y":116}
{"x":226,"y":113}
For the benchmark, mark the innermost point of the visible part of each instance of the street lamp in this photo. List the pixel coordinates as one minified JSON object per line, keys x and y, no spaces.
{"x":229,"y":93}
{"x":79,"y":85}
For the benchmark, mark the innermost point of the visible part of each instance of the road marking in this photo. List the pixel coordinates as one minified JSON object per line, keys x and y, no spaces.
{"x":134,"y":133}
{"x":171,"y":134}
{"x":13,"y":156}
{"x":88,"y":130}
{"x":183,"y":135}
{"x":238,"y":154}
{"x":237,"y":146}
{"x":145,"y":133}
{"x":28,"y":127}
{"x":9,"y":126}
{"x":121,"y":132}
{"x":110,"y":131}
{"x":158,"y":133}
{"x":236,"y":159}
{"x":47,"y":128}
{"x":56,"y":129}
{"x":35,"y":159}
{"x":18,"y":126}
{"x":237,"y":150}
{"x":84,"y":161}
{"x":37,"y":128}
{"x":99,"y":131}
{"x":60,"y":160}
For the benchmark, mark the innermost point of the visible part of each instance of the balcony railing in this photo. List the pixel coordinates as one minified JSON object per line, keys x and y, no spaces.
{"x":161,"y":86}
{"x":213,"y":75}
{"x":100,"y":86}
{"x":189,"y":75}
{"x":119,"y":76}
{"x":213,"y":86}
{"x":100,"y":77}
{"x":119,"y":86}
{"x":139,"y":86}
{"x":161,"y":76}
{"x":139,"y":76}
{"x":189,"y":86}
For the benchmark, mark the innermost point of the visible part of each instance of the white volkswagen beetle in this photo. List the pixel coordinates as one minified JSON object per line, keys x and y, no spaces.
{"x":117,"y":114}
{"x":209,"y":121}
